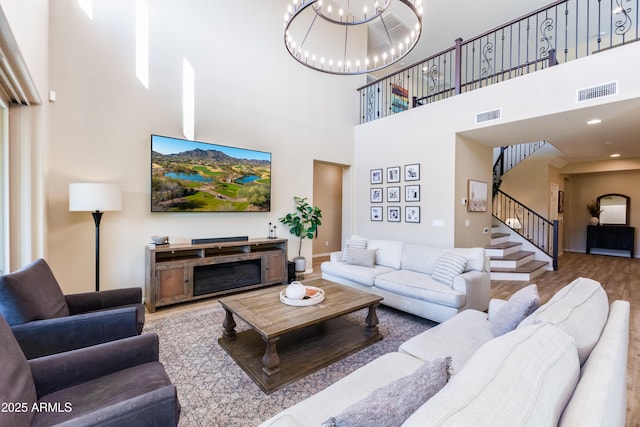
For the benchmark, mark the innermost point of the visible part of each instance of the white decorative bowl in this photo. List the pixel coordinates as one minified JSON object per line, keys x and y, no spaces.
{"x":160,"y":240}
{"x":318,"y":297}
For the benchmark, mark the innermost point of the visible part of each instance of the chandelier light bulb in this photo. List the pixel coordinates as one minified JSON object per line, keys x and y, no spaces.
{"x":329,"y":9}
{"x":375,"y":59}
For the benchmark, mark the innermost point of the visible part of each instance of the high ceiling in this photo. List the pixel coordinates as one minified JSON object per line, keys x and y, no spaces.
{"x":619,"y":131}
{"x":443,"y":22}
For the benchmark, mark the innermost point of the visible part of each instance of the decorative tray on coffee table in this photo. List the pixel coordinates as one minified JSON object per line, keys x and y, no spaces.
{"x":314,"y":296}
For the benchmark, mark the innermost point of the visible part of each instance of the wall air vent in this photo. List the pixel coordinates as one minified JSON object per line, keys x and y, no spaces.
{"x":488,"y":116}
{"x":600,"y":91}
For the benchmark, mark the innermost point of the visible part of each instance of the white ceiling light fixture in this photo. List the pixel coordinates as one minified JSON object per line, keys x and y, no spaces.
{"x":351,"y":36}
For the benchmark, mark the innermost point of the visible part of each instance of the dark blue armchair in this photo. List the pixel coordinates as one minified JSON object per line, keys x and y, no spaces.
{"x":44,"y":321}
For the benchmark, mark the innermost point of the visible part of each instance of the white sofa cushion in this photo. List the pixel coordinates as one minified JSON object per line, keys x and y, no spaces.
{"x":389,"y":252}
{"x":581,"y":309}
{"x":599,"y":398}
{"x":520,"y":305}
{"x":354,"y":273}
{"x":475,"y":257}
{"x":448,"y":267}
{"x":522,"y":378}
{"x":420,"y":286}
{"x":421,"y":259}
{"x":459,"y":337}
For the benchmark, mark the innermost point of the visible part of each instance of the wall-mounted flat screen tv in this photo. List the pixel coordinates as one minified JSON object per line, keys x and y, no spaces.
{"x":192,"y":176}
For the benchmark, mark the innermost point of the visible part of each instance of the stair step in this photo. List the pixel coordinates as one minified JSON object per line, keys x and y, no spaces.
{"x":525,"y":272}
{"x":497,"y":238}
{"x":512,"y":260}
{"x":502,"y":249}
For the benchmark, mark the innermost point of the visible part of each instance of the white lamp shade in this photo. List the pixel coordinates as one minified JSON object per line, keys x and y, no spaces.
{"x":92,"y":197}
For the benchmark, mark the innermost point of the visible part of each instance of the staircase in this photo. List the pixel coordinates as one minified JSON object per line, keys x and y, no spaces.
{"x":509,"y":261}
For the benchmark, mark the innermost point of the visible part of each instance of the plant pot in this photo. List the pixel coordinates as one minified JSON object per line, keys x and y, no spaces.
{"x":594,"y":220}
{"x":300,"y":264}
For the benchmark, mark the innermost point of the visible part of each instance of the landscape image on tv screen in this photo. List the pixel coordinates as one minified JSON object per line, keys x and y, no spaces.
{"x":192,"y":176}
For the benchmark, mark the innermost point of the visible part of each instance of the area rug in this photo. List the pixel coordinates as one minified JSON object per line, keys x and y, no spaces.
{"x":214,"y":391}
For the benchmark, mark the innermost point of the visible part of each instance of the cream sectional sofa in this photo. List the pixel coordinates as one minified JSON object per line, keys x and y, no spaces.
{"x":403,"y":274}
{"x":565,"y":364}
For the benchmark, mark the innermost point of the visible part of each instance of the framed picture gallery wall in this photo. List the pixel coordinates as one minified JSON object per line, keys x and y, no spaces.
{"x":391,"y":188}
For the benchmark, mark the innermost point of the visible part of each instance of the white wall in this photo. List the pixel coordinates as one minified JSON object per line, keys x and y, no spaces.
{"x":249,"y":93}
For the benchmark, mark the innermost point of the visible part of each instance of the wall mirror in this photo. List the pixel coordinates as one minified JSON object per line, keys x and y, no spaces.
{"x":615,"y":209}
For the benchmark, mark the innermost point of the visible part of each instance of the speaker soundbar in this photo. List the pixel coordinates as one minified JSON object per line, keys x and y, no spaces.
{"x":219,"y":239}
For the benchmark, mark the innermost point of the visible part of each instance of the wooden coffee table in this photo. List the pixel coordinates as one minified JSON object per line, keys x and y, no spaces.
{"x":286,"y":342}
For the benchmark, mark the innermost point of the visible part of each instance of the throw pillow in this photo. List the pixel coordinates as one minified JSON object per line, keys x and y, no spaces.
{"x":448,"y":267}
{"x":363,"y":257}
{"x":354,"y":243}
{"x":391,"y":405}
{"x":520,"y":305}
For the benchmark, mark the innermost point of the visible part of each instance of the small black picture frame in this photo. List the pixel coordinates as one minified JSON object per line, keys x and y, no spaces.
{"x":376,"y":213}
{"x":393,"y":174}
{"x":412,"y":214}
{"x":376,"y":195}
{"x":393,"y":213}
{"x":412,"y":193}
{"x":393,"y":194}
{"x":376,"y":176}
{"x":412,"y":172}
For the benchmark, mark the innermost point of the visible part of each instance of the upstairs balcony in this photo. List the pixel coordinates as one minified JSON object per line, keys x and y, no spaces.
{"x":563,"y":31}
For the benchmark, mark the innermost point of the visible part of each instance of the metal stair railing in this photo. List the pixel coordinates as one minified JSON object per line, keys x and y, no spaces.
{"x":538,"y":230}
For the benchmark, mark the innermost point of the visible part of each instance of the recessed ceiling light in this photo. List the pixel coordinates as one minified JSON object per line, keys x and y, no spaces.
{"x":608,"y":142}
{"x":615,"y":155}
{"x":594,"y":122}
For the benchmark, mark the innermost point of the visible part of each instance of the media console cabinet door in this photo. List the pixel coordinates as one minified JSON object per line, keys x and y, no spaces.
{"x":172,"y":283}
{"x":273,"y":267}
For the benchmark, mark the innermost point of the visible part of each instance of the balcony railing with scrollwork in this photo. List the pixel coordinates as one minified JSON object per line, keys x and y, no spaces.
{"x":563,"y":31}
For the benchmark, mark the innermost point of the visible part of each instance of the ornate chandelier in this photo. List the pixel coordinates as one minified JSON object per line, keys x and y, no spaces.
{"x":351,"y":36}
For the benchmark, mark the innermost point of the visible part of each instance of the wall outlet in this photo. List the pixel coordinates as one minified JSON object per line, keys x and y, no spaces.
{"x":326,"y":243}
{"x":467,"y":223}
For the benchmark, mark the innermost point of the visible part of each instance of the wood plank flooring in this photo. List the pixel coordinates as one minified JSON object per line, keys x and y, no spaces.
{"x":620,"y":278}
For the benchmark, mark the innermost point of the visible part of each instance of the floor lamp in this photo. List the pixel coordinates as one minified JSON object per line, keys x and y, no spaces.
{"x":95,"y":198}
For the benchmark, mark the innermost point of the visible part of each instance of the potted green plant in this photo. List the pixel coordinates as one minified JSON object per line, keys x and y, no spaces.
{"x":303,"y":223}
{"x":594,"y":211}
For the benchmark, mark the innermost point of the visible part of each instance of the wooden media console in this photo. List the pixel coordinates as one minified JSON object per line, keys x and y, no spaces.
{"x":185,"y":272}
